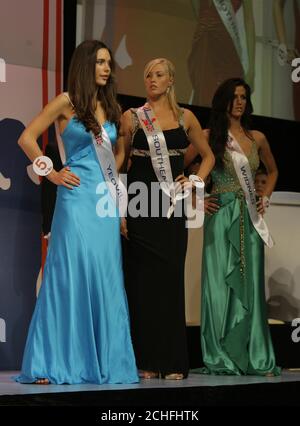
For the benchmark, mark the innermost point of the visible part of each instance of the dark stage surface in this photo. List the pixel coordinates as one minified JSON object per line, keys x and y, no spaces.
{"x":196,"y":391}
{"x":157,"y":399}
{"x":192,"y":400}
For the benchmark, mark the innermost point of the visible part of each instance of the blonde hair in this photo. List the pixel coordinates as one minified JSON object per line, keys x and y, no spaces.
{"x":171,"y":96}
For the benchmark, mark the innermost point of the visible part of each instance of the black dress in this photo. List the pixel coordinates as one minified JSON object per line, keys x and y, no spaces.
{"x":154,"y":267}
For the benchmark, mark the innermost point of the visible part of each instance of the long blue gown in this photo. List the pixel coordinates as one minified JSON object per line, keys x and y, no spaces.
{"x":79,"y":332}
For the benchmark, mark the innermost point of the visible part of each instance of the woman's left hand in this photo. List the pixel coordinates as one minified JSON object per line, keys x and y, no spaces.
{"x":262,"y":205}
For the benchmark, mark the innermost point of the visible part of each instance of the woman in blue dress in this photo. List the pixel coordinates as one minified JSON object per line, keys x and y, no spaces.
{"x":79,"y":332}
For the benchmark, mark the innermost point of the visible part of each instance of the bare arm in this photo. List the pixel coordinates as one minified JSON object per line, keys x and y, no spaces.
{"x":199,"y":145}
{"x":190,"y":155}
{"x":280,"y":27}
{"x":119,"y":152}
{"x":124,"y":141}
{"x":278,"y":9}
{"x":55,"y":110}
{"x":122,"y":154}
{"x":250,"y":37}
{"x":192,"y":152}
{"x":267,"y":158}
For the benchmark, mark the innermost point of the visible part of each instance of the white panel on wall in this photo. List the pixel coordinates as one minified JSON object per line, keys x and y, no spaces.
{"x":283,"y":260}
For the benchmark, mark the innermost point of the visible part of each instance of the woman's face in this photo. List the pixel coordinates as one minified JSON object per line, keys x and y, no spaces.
{"x":102,"y":67}
{"x":239,"y":102}
{"x":157,"y":81}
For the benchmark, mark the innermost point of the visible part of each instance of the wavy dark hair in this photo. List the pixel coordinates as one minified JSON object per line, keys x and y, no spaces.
{"x":82,"y":86}
{"x":219,"y":120}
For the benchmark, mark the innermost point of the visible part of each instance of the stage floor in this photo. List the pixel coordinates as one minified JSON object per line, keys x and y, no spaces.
{"x":155,"y":397}
{"x":9,"y":387}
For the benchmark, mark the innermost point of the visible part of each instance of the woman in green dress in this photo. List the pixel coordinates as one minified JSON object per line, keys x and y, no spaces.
{"x":235,"y":336}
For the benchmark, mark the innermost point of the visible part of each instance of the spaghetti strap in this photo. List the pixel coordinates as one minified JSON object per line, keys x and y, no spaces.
{"x":68,"y":97}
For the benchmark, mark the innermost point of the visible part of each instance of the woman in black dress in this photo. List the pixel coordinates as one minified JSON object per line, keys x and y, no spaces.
{"x":157,"y":238}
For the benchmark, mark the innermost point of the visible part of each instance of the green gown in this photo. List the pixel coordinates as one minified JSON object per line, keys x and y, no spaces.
{"x":235,"y":336}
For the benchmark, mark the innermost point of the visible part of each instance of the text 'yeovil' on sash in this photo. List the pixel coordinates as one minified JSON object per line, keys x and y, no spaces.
{"x":106,"y":159}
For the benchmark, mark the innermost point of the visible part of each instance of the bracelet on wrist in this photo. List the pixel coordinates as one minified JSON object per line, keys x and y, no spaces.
{"x":196,"y":181}
{"x":265,"y":201}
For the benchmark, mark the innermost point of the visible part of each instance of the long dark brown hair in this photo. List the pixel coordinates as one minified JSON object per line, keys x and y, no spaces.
{"x":219,"y":121}
{"x":82,"y":86}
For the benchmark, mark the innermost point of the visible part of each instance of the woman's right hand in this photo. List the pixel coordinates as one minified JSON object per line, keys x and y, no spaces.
{"x":64,"y":177}
{"x":211,"y":205}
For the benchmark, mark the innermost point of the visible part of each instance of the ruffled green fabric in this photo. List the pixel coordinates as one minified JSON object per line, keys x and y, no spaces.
{"x":235,"y":336}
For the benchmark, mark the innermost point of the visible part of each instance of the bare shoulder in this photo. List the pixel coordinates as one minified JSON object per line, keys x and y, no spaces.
{"x":188,"y":114}
{"x":61,"y":106}
{"x":66,"y":103}
{"x":64,"y":100}
{"x":190,"y":120}
{"x":126,"y":121}
{"x":259,"y":137}
{"x":206,"y":133}
{"x":127,"y":116}
{"x":127,"y":113}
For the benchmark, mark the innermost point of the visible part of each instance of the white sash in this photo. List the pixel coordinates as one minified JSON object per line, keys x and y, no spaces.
{"x":107,"y":163}
{"x":243,"y":171}
{"x":226,"y":12}
{"x":160,"y":156}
